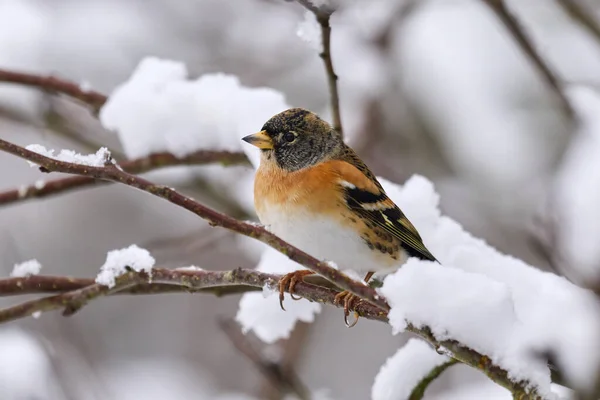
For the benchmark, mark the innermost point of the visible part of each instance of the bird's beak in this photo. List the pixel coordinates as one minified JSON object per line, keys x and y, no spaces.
{"x":260,"y":140}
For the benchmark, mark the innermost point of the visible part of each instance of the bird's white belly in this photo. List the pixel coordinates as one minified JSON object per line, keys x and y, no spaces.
{"x":323,"y":238}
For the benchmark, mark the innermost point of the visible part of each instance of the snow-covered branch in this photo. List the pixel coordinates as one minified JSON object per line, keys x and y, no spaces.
{"x":45,"y":284}
{"x":78,"y":292}
{"x":111,"y":172}
{"x":134,"y":166}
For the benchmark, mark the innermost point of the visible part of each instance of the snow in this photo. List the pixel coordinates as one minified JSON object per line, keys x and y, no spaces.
{"x":158,"y":109}
{"x":310,"y":31}
{"x":577,"y":192}
{"x":25,"y":269}
{"x":491,"y":302}
{"x":262,"y":315}
{"x":423,"y":286}
{"x":99,"y":159}
{"x":119,"y":261}
{"x":24,"y":360}
{"x":403,"y":371}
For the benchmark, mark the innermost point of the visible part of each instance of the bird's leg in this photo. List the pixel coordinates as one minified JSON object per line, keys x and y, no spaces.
{"x":349,"y":299}
{"x":289,"y":281}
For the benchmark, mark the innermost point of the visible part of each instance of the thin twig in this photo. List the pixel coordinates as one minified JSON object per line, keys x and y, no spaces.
{"x":323,"y":15}
{"x":578,"y":12}
{"x":285,"y":380}
{"x":54,"y":84}
{"x":214,"y":218}
{"x":526,"y":44}
{"x":419,"y":390}
{"x":136,"y":166}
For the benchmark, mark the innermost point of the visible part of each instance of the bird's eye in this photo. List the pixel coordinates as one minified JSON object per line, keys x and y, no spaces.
{"x":289,"y":137}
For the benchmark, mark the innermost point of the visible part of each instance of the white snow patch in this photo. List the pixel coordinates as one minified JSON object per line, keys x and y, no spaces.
{"x":27,"y":268}
{"x":159,"y":109}
{"x":24,"y":359}
{"x":491,"y":302}
{"x":263,"y":315}
{"x":117,"y":262}
{"x":309,"y":31}
{"x":98,"y":159}
{"x":403,"y":371}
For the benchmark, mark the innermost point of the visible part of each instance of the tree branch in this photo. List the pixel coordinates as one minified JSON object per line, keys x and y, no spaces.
{"x":53,"y":84}
{"x":40,"y":284}
{"x":578,"y":12}
{"x":136,"y":166}
{"x":76,"y":297}
{"x":323,"y":15}
{"x":285,"y":380}
{"x":214,"y":218}
{"x":419,"y":390}
{"x":526,"y":44}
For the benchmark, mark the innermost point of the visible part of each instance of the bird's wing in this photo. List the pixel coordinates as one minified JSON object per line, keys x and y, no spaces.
{"x":365,"y":196}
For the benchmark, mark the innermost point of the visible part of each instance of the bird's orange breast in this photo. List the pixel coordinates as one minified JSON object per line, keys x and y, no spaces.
{"x":311,"y":188}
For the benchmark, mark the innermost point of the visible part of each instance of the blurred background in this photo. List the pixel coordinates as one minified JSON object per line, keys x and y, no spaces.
{"x":438,"y":88}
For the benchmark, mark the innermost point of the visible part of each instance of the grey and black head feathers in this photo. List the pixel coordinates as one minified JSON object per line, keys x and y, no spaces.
{"x":301,"y":139}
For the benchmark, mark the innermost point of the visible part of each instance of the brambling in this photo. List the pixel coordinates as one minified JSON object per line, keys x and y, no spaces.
{"x":314,"y":192}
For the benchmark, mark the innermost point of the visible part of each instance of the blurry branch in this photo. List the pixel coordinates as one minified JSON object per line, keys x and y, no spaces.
{"x":135,"y":166}
{"x":75,"y":297}
{"x":526,"y":44}
{"x":323,"y":15}
{"x":283,"y":379}
{"x":578,"y":12}
{"x":419,"y":391}
{"x":57,"y":85}
{"x":289,"y":353}
{"x":113,"y":173}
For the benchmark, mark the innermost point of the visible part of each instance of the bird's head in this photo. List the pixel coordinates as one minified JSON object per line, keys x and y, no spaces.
{"x":296,"y":138}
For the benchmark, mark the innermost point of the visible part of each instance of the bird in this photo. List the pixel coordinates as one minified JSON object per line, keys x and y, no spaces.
{"x":313,"y":191}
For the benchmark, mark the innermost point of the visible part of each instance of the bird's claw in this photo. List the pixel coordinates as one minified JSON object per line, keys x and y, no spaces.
{"x":288,"y":282}
{"x":349,"y":300}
